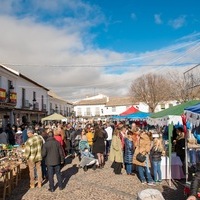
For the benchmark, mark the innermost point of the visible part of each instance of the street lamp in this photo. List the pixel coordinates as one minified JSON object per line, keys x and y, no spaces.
{"x":11,"y":88}
{"x":34,"y":102}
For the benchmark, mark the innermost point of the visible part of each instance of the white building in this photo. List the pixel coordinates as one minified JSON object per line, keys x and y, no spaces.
{"x":22,"y":100}
{"x":101,"y":106}
{"x":59,"y":105}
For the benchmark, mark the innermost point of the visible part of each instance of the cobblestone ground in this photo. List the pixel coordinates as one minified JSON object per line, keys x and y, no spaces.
{"x":93,"y":185}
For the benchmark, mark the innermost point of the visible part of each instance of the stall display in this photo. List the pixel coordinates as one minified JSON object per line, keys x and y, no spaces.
{"x":11,"y":160}
{"x":176,"y":167}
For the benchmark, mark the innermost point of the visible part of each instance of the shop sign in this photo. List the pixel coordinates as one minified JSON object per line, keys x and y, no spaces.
{"x":2,"y":94}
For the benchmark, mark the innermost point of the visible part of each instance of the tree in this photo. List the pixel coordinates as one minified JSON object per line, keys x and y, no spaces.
{"x":151,"y":89}
{"x":179,"y":89}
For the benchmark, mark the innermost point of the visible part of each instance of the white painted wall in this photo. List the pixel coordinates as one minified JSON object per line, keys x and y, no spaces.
{"x":5,"y":76}
{"x":29,"y":89}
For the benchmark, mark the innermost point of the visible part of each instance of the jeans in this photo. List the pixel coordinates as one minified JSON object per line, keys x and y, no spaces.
{"x":192,"y":156}
{"x":128,"y":168}
{"x":32,"y":166}
{"x":51,"y":170}
{"x":141,"y":171}
{"x":108,"y":144}
{"x":157,"y":170}
{"x":44,"y":169}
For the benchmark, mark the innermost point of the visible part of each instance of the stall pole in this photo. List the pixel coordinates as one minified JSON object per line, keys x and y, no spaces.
{"x":170,"y":129}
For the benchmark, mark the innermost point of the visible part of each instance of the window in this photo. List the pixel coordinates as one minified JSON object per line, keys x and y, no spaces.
{"x":113,"y":109}
{"x":162,"y":106}
{"x":97,"y":111}
{"x":170,"y":105}
{"x":34,"y":96}
{"x":79,"y":112}
{"x":56,"y":108}
{"x":23,"y":96}
{"x":9,"y":84}
{"x":42,"y":102}
{"x":88,"y":113}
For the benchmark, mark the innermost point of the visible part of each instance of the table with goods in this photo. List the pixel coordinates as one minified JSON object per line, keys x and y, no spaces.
{"x":11,"y":163}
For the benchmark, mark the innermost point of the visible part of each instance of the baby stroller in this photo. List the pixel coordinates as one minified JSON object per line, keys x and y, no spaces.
{"x":87,"y":159}
{"x":75,"y":146}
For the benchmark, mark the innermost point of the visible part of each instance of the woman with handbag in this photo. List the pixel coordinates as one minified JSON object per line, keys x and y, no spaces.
{"x":141,"y":158}
{"x":116,"y":152}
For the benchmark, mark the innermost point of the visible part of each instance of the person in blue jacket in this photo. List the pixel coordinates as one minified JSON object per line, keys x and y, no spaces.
{"x":128,"y":152}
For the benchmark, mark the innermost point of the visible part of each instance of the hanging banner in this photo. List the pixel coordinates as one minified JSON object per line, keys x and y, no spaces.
{"x":2,"y":94}
{"x":13,"y":97}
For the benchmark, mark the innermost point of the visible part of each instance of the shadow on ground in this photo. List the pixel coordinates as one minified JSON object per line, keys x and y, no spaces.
{"x":67,"y":174}
{"x":22,"y":188}
{"x":174,"y":193}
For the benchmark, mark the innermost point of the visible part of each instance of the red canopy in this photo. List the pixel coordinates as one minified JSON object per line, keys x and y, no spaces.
{"x":130,"y":110}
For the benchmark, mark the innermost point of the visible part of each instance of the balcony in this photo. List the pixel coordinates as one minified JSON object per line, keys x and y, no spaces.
{"x":97,"y":113}
{"x":26,"y":104}
{"x":87,"y":114}
{"x":79,"y":114}
{"x":52,"y":111}
{"x":36,"y":106}
{"x":8,"y":96}
{"x":44,"y":107}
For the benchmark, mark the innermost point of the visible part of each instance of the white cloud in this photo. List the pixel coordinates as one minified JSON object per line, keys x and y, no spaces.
{"x":133,"y":16}
{"x":64,"y":58}
{"x":178,"y":22}
{"x":157,"y":19}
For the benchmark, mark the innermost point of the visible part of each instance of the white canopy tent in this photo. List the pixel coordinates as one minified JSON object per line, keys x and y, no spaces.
{"x":54,"y":117}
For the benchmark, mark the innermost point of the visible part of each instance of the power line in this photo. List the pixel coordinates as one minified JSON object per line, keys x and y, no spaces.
{"x":115,"y":63}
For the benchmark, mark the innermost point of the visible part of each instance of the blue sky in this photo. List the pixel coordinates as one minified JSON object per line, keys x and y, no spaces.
{"x":146,"y":25}
{"x":92,"y":43}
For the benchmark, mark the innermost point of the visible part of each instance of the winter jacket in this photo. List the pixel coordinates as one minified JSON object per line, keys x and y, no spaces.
{"x":83,"y":144}
{"x":128,"y":150}
{"x":180,"y":147}
{"x":116,"y":153}
{"x":156,"y":154}
{"x":144,"y":147}
{"x":90,"y":137}
{"x":52,"y":152}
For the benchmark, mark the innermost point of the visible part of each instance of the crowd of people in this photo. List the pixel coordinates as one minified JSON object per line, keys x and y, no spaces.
{"x":136,"y":150}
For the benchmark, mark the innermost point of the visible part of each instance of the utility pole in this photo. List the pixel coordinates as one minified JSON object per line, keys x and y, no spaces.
{"x":192,"y":80}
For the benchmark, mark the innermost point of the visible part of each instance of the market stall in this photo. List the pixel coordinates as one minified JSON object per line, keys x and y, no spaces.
{"x":170,"y":117}
{"x":11,"y":160}
{"x":129,"y":111}
{"x":54,"y":117}
{"x":176,"y":167}
{"x":193,"y":116}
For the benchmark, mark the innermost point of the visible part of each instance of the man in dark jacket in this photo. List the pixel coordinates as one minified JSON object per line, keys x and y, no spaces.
{"x":53,"y":154}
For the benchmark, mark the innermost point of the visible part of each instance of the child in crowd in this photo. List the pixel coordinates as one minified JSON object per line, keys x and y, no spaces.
{"x":87,"y":159}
